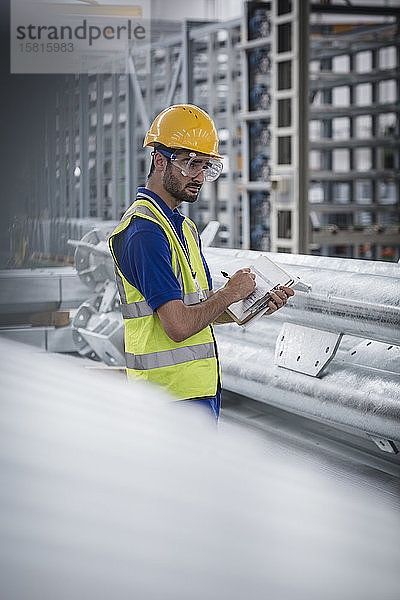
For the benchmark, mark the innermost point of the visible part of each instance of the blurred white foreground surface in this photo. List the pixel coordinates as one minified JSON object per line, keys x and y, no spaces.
{"x":109,"y":491}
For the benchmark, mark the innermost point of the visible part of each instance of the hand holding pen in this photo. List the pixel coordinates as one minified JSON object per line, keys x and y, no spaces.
{"x":277,"y":297}
{"x":240,"y":284}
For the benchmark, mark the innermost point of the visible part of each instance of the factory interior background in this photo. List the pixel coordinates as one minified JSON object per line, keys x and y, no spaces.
{"x":307,"y":115}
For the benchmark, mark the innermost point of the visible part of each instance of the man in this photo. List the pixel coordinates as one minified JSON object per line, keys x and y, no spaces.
{"x":163,"y":279}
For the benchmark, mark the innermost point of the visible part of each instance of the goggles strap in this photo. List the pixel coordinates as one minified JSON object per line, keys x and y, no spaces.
{"x":165,"y":153}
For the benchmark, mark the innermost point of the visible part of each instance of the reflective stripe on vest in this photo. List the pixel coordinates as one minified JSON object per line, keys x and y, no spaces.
{"x":193,"y":297}
{"x":120,"y":286}
{"x":169,"y":358}
{"x":133,"y":310}
{"x":141,"y":210}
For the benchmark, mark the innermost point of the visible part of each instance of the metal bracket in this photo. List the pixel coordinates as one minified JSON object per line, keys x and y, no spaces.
{"x":385,"y":445}
{"x":378,"y":355}
{"x":99,"y":334}
{"x":305,"y":349}
{"x":106,"y":344}
{"x":93,"y":261}
{"x":109,"y":297}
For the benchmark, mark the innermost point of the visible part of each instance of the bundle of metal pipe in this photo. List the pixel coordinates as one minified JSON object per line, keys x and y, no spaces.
{"x":360,"y":298}
{"x":348,"y":395}
{"x":361,"y":388}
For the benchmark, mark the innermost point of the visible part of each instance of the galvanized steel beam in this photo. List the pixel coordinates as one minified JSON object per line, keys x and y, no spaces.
{"x":348,"y":395}
{"x":343,"y":301}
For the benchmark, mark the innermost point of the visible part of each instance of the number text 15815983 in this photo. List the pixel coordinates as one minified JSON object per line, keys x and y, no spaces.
{"x":41,"y":47}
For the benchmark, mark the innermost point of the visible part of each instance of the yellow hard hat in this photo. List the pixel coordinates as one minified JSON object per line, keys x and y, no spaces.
{"x":184,"y":126}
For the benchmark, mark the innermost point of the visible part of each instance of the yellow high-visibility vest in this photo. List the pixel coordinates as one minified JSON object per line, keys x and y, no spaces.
{"x":188,"y":369}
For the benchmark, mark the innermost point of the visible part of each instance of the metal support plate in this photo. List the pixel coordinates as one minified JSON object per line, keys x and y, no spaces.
{"x":304,"y":349}
{"x":385,"y":445}
{"x":106,"y":346}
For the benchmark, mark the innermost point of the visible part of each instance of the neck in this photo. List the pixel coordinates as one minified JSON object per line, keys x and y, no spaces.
{"x":158,"y":188}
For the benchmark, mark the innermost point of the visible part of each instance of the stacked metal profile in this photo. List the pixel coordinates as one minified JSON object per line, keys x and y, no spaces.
{"x":27,"y":292}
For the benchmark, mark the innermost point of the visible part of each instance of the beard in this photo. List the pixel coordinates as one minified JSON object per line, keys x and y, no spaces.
{"x":174,"y":187}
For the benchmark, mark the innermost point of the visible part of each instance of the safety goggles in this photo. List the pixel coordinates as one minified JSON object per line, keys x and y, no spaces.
{"x":192,"y":165}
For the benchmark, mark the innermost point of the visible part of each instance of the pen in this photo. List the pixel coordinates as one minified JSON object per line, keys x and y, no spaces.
{"x":225,"y":274}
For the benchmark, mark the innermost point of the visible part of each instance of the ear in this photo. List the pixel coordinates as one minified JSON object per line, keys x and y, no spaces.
{"x":160,"y":161}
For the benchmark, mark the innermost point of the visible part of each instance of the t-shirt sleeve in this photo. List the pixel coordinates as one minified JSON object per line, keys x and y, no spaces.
{"x":144,"y":257}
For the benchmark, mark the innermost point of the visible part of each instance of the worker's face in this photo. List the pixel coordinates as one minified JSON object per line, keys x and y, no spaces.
{"x":181,"y":187}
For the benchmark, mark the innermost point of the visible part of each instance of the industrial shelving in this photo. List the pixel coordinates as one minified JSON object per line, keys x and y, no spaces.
{"x":255,"y":123}
{"x":354,"y":133}
{"x":265,"y":78}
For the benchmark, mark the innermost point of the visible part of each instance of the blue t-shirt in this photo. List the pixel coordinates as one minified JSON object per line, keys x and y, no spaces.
{"x":144,"y":256}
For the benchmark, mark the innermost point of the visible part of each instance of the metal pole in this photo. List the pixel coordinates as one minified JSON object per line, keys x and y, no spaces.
{"x":84,"y":147}
{"x":50,"y":149}
{"x":231,"y":149}
{"x":72,"y":200}
{"x":175,"y":79}
{"x":100,"y":145}
{"x":138,"y":94}
{"x":187,"y":64}
{"x":187,"y":83}
{"x":115,"y":199}
{"x":62,"y":156}
{"x":303,"y":124}
{"x":129,"y":125}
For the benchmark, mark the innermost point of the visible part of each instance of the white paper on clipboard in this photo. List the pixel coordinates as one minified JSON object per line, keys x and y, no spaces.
{"x":269,"y":275}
